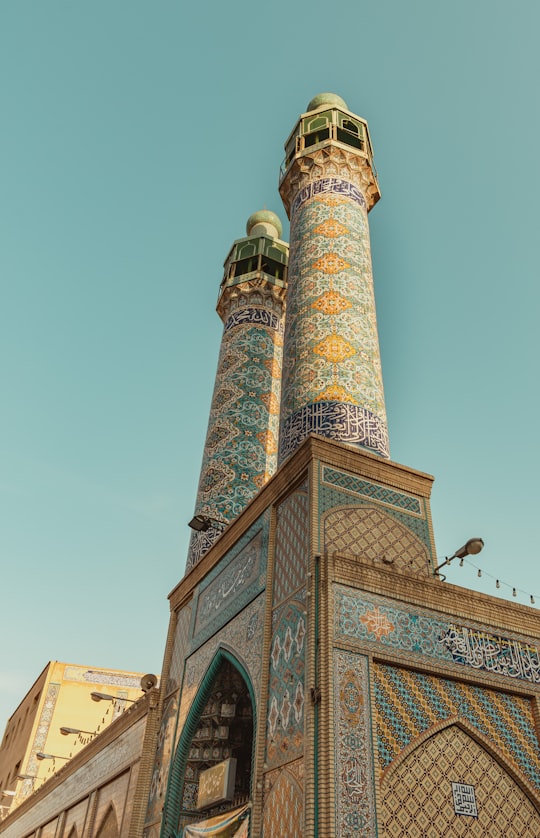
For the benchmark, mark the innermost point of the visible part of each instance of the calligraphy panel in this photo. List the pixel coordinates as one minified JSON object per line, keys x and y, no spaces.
{"x":237,"y":581}
{"x":368,"y":618}
{"x":355,"y":797}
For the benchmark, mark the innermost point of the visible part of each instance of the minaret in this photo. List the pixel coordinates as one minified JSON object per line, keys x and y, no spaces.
{"x":240,"y":453}
{"x":332,"y":379}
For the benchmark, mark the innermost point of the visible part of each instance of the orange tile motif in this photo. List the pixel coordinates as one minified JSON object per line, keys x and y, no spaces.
{"x":331,"y":303}
{"x":331,"y":228}
{"x":377,"y":623}
{"x":335,"y":349}
{"x":330,"y":263}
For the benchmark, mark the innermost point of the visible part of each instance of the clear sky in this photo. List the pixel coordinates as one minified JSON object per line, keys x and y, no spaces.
{"x":137,"y":138}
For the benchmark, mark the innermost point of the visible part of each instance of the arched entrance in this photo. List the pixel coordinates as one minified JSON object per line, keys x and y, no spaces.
{"x":220,"y":726}
{"x":418,"y":797}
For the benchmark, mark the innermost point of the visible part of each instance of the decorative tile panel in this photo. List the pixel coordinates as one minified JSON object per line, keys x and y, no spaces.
{"x":374,"y":491}
{"x":417,"y":797}
{"x":40,"y":736}
{"x":332,"y":379}
{"x":261,"y":316}
{"x":368,"y":618}
{"x":230,"y":586}
{"x":286,"y":698}
{"x":355,"y":799}
{"x":291,"y":554}
{"x":409,"y":703}
{"x":98,"y":676}
{"x":283,"y":812}
{"x":162,"y":760}
{"x":180,"y":646}
{"x":240,"y":453}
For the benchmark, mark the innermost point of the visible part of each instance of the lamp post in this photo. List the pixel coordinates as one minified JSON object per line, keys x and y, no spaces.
{"x":471,"y":548}
{"x":40,"y":755}
{"x":202,"y":523}
{"x":95,"y":696}
{"x":65,"y":731}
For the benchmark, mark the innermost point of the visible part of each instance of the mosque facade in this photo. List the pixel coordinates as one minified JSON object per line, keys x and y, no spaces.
{"x":313,"y":641}
{"x":321,"y":679}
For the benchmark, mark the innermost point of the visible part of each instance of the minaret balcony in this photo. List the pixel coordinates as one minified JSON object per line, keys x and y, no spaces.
{"x":317,"y":129}
{"x":251,"y":258}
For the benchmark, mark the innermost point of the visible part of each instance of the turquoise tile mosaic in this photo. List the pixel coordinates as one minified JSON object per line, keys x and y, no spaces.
{"x":409,"y":703}
{"x":238,"y":578}
{"x":369,"y":618}
{"x":240,"y":454}
{"x":285,"y":714}
{"x":292,"y":545}
{"x":365,"y":488}
{"x":353,"y":753}
{"x":332,"y":379}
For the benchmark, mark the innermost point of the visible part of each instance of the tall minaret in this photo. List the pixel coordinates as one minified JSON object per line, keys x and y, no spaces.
{"x":240,"y":453}
{"x":332,"y":379}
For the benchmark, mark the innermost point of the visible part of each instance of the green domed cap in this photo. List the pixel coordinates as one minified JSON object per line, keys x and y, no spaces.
{"x":267,"y":220}
{"x":331,"y":99}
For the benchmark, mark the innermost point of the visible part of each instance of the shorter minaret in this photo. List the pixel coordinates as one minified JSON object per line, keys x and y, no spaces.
{"x":332,"y":378}
{"x":240,"y":453}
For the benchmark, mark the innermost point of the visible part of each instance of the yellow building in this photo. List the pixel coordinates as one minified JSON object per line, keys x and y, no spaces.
{"x":34,"y":745}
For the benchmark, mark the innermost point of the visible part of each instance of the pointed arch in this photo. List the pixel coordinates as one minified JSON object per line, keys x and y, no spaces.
{"x":173,"y":800}
{"x":417,"y":787}
{"x":109,"y":825}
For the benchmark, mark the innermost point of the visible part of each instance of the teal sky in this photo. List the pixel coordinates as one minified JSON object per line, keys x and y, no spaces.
{"x":136,"y":140}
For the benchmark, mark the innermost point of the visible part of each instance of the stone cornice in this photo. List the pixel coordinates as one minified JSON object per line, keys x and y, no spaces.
{"x":330,"y":159}
{"x":235,"y":296}
{"x":431,"y":593}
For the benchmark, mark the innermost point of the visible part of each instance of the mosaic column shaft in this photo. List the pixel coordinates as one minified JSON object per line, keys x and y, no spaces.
{"x":241,"y":448}
{"x":332,"y":377}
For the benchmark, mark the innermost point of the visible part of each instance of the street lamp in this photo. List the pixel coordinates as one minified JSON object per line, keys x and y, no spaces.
{"x":41,"y":755}
{"x":106,"y":697}
{"x":471,"y":548}
{"x":65,"y":731}
{"x":202,"y":523}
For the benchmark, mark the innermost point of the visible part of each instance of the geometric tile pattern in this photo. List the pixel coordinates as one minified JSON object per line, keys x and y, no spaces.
{"x":176,"y":668}
{"x":374,"y":534}
{"x":368,"y":618}
{"x":332,"y":378}
{"x":283,"y":813}
{"x":285,"y":715}
{"x":291,"y":557}
{"x":417,"y":796}
{"x":409,"y":703}
{"x":355,"y":800}
{"x":224,"y":593}
{"x":371,"y":490}
{"x":166,"y":743}
{"x":240,"y":452}
{"x":162,"y":759}
{"x":40,"y":736}
{"x":329,"y":498}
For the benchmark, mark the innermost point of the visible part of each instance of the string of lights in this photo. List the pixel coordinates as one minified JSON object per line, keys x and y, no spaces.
{"x":499,"y":583}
